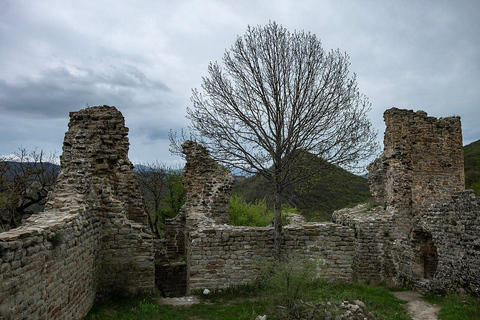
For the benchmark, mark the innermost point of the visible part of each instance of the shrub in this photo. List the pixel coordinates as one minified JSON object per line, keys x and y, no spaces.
{"x":242,"y":213}
{"x":291,"y":282}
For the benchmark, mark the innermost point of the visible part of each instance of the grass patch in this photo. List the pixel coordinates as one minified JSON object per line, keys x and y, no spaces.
{"x":247,"y":302}
{"x":148,"y":308}
{"x":456,"y":306}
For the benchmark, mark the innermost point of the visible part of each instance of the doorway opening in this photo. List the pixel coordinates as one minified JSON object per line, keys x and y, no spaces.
{"x":425,"y":255}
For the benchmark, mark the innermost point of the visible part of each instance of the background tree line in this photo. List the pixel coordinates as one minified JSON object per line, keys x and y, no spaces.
{"x":26,"y":177}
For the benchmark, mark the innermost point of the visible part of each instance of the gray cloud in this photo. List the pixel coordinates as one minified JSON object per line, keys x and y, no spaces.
{"x":59,"y":90}
{"x":144,"y":59}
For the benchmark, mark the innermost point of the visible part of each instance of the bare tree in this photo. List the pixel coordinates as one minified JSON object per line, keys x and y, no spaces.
{"x":26,"y":177}
{"x":152,"y":180}
{"x":278,"y":98}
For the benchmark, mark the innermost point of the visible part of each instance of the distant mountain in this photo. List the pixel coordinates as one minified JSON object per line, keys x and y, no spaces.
{"x":331,"y":189}
{"x":471,"y":154}
{"x":11,"y":166}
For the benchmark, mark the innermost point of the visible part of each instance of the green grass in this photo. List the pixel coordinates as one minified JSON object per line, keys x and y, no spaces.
{"x":247,"y":302}
{"x":151,"y":309}
{"x":456,"y":306}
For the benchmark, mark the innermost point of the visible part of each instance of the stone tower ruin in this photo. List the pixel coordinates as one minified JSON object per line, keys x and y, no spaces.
{"x":410,"y":238}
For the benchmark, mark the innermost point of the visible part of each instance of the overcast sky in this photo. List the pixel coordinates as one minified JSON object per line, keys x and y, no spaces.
{"x":144,"y":57}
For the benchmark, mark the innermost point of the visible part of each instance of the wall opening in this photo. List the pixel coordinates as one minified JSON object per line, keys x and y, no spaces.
{"x":425,"y":257}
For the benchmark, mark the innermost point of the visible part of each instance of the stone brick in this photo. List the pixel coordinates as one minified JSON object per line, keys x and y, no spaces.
{"x":46,"y":251}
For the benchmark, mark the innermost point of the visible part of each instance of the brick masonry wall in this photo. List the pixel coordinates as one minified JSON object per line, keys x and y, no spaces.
{"x":91,"y":239}
{"x":455,"y":230}
{"x":422,"y":163}
{"x":373,"y":229}
{"x":175,"y":236}
{"x":48,"y":266}
{"x":422,"y":167}
{"x":221,"y":256}
{"x":208,"y":186}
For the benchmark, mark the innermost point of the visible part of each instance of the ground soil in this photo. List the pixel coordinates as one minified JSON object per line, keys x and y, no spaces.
{"x":418,"y":309}
{"x":180,"y":301}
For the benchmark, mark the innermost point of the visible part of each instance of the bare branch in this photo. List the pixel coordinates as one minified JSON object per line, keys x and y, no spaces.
{"x":277,"y":98}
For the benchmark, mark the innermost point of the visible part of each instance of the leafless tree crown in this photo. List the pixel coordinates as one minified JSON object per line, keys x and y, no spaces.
{"x":279,"y":99}
{"x":277,"y":96}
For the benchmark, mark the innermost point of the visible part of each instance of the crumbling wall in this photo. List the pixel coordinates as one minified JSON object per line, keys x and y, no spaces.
{"x":208,"y":186}
{"x":419,"y":172}
{"x":170,"y":259}
{"x":221,"y":256}
{"x":373,"y":229}
{"x":455,"y":230}
{"x":91,"y":238}
{"x":48,"y":265}
{"x":422,"y":163}
{"x":95,"y":164}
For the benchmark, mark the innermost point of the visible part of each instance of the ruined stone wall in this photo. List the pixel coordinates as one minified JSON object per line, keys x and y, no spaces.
{"x":208,"y":186}
{"x":221,"y":256}
{"x":48,"y":266}
{"x":170,"y":259}
{"x":175,"y":238}
{"x":455,"y":230}
{"x":90,"y":240}
{"x":421,"y":168}
{"x":373,"y":230}
{"x":422,"y":163}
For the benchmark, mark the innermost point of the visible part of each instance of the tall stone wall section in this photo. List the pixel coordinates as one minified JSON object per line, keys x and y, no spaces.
{"x":422,"y":163}
{"x":455,"y":230}
{"x":91,"y":239}
{"x":430,"y":231}
{"x":96,"y":156}
{"x":208,"y":186}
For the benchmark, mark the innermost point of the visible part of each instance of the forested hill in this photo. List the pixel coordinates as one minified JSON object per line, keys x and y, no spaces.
{"x":333,"y":188}
{"x":471,"y":154}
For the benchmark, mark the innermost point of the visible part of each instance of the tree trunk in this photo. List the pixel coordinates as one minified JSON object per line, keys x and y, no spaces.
{"x":277,"y":224}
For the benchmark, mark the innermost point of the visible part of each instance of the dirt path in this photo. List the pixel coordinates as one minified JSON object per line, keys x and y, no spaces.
{"x":180,"y":301}
{"x":417,"y":308}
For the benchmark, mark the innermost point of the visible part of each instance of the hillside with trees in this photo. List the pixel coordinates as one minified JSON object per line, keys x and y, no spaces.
{"x":471,"y":154}
{"x":316,"y":198}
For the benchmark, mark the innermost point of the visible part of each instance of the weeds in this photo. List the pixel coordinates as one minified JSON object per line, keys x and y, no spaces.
{"x":456,"y":306}
{"x":254,"y":214}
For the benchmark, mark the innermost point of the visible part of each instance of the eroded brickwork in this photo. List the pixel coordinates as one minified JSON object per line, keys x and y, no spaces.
{"x":208,"y":186}
{"x":454,"y":227}
{"x":430,"y":230}
{"x":422,"y":163}
{"x":90,"y":240}
{"x":48,"y":266}
{"x":221,"y":256}
{"x":373,"y":230}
